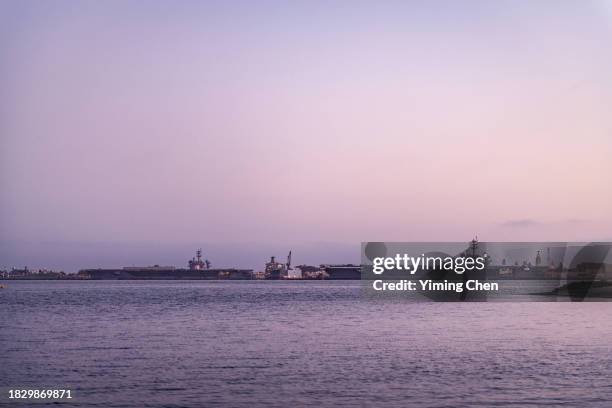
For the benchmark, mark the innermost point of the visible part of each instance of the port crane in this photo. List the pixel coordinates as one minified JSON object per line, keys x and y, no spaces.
{"x":288,"y":263}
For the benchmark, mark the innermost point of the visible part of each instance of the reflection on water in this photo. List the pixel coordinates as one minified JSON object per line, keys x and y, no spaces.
{"x":297,"y":344}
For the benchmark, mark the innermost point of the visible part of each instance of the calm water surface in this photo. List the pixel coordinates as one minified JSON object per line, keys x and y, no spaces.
{"x":285,"y":344}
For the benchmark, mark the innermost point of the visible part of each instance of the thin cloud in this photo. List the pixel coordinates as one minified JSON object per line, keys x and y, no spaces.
{"x":521,"y":223}
{"x":528,"y":222}
{"x":576,"y":221}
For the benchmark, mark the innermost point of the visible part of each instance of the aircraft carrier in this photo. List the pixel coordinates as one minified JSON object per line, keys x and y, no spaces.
{"x":198,"y":269}
{"x":342,"y":272}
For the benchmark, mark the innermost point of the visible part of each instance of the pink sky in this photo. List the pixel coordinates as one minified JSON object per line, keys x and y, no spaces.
{"x":305,"y":122}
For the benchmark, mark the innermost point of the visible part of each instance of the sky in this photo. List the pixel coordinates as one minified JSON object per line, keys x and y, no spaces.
{"x":251,"y":128}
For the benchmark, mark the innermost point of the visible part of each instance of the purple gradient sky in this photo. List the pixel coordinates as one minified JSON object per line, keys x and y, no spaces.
{"x":288,"y":124}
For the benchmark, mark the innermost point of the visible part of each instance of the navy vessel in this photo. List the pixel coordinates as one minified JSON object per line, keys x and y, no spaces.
{"x":342,"y":272}
{"x":277,"y":270}
{"x":198,"y":268}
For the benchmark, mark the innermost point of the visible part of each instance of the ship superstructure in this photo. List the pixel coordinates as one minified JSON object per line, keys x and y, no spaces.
{"x":196,"y":263}
{"x":277,"y":270}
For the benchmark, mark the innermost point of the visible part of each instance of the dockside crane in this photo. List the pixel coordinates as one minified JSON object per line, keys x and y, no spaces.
{"x":288,"y":263}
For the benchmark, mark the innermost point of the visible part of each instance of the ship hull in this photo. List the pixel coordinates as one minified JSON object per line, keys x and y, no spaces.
{"x":169,"y":274}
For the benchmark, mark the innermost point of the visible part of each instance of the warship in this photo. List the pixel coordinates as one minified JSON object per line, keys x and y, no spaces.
{"x":276,"y":270}
{"x":342,"y":272}
{"x":197,"y":269}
